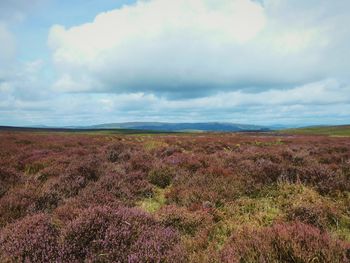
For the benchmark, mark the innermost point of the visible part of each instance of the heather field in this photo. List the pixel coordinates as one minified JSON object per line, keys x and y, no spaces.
{"x":336,"y":131}
{"x":229,"y":198}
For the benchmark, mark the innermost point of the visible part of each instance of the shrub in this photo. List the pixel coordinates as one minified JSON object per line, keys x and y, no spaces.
{"x":324,"y":179}
{"x":296,"y":242}
{"x":161,"y":177}
{"x":157,"y":245}
{"x":47,"y":201}
{"x":8,"y":178}
{"x":17,"y":203}
{"x":259,"y":173}
{"x":214,"y":184}
{"x":168,"y":151}
{"x":76,"y":176}
{"x":142,"y":162}
{"x":117,"y":152}
{"x":318,"y":215}
{"x":32,"y":239}
{"x":185,"y":221}
{"x":126,"y":187}
{"x":119,"y":235}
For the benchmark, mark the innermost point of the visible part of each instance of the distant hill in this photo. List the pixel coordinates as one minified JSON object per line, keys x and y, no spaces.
{"x":148,"y":127}
{"x":178,"y":127}
{"x":165,"y":127}
{"x":340,"y":130}
{"x":78,"y":130}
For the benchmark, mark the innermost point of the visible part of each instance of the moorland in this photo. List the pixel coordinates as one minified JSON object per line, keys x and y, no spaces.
{"x":207,"y":197}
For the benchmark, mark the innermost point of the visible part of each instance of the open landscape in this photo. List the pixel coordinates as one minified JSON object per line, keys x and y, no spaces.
{"x":174,"y":131}
{"x":340,"y":131}
{"x":207,"y":197}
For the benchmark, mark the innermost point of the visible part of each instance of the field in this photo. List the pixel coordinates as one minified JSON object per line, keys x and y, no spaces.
{"x":323,"y":130}
{"x":72,"y":197}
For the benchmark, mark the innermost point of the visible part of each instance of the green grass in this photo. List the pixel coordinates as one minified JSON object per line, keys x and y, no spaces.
{"x":264,"y":144}
{"x":154,"y":203}
{"x":67,"y":131}
{"x":272,"y":205}
{"x":322,"y":130}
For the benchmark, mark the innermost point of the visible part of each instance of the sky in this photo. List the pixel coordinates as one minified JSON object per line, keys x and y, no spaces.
{"x":85,"y":62}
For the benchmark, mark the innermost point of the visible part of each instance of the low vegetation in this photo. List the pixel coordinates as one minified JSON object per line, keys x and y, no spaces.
{"x":343,"y":130}
{"x":174,"y":198}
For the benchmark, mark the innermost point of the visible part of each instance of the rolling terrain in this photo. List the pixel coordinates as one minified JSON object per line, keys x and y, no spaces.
{"x":208,"y":197}
{"x":341,"y":130}
{"x":180,"y":127}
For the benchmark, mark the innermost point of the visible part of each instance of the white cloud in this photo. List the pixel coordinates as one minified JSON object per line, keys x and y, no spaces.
{"x":192,"y":48}
{"x":158,"y":45}
{"x":151,"y":21}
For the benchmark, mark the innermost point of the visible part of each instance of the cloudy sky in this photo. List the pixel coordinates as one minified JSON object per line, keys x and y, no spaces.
{"x":81,"y":62}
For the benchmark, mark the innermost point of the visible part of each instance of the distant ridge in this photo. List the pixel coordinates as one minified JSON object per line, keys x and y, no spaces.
{"x":178,"y":127}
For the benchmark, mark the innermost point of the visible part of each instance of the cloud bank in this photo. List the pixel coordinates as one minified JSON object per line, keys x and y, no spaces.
{"x":194,"y":48}
{"x":247,"y":61}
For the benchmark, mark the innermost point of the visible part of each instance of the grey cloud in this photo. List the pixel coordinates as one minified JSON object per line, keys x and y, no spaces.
{"x":7,"y":50}
{"x":12,"y":10}
{"x":315,"y":103}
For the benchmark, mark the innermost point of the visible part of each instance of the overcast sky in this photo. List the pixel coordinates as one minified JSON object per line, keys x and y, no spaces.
{"x":81,"y":62}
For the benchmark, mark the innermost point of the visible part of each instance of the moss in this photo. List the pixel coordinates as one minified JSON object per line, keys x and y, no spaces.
{"x":262,"y":144}
{"x":246,"y":211}
{"x":256,"y":211}
{"x":302,"y":203}
{"x":151,"y":145}
{"x":342,"y":229}
{"x":221,"y":232}
{"x":154,"y":203}
{"x":34,"y":168}
{"x":271,"y":205}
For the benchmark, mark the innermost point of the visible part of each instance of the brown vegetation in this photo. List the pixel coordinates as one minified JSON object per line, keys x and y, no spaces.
{"x":174,"y":198}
